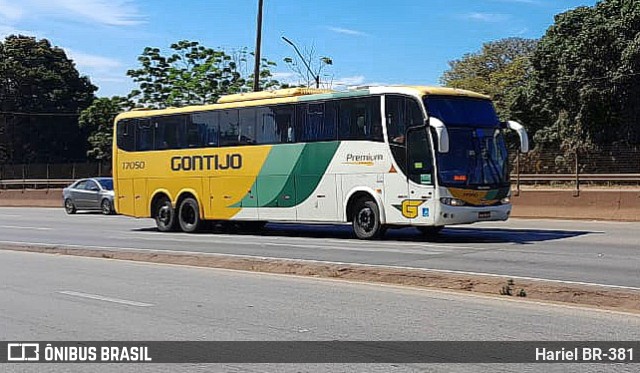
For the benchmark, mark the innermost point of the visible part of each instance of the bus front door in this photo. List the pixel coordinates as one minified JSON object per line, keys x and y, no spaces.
{"x":420,"y":171}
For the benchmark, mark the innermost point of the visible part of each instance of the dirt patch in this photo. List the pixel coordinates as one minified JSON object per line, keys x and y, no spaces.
{"x":547,"y":291}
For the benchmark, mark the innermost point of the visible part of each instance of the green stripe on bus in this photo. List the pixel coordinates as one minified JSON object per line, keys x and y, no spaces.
{"x":290,"y":174}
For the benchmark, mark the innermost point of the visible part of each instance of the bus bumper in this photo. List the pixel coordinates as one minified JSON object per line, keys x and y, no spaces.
{"x":451,"y":215}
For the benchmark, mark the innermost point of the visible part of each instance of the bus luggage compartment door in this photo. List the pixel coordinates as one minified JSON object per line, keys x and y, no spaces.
{"x":125,"y":197}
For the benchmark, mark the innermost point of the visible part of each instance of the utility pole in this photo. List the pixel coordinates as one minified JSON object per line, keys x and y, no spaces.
{"x":256,"y":70}
{"x":306,"y":64}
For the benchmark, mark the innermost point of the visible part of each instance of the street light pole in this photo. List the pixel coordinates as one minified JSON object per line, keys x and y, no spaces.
{"x":315,"y":77}
{"x":256,"y":70}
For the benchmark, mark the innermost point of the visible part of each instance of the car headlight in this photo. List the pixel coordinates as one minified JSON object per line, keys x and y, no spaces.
{"x":505,"y":200}
{"x":452,"y":201}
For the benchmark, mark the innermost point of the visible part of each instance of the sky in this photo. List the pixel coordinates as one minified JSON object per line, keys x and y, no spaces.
{"x":370,"y":41}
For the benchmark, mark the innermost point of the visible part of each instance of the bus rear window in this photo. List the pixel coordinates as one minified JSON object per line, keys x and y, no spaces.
{"x":126,"y":135}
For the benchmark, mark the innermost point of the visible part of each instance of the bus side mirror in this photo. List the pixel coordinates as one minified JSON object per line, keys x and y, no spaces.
{"x":522,"y":133}
{"x":441,"y":133}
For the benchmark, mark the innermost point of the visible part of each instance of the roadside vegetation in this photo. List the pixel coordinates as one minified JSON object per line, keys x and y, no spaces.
{"x":576,"y":88}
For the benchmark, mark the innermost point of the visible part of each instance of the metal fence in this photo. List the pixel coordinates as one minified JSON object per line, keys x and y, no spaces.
{"x":609,"y":166}
{"x":606,"y":166}
{"x":49,"y":175}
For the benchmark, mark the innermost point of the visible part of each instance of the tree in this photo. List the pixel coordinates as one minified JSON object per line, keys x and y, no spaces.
{"x":497,"y":70}
{"x":97,"y":122}
{"x":308,"y":66}
{"x":41,"y":95}
{"x":585,"y":86}
{"x":193,"y":74}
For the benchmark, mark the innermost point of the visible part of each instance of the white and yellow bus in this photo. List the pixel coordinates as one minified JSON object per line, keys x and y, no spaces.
{"x":375,"y":157}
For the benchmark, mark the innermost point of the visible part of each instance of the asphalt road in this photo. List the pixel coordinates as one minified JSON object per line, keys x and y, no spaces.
{"x":47,"y":297}
{"x":582,"y":251}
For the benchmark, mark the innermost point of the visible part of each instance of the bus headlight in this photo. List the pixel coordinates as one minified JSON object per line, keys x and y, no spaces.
{"x":505,"y":200}
{"x":452,"y":201}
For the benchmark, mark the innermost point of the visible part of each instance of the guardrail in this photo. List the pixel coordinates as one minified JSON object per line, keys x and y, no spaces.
{"x":35,"y":183}
{"x":516,"y":179}
{"x":576,"y":179}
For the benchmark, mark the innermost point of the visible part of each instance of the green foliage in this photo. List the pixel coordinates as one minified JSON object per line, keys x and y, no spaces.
{"x":97,"y":122}
{"x":508,"y":288}
{"x":193,"y":74}
{"x":584,"y":89}
{"x":36,"y":77}
{"x":498,"y":70}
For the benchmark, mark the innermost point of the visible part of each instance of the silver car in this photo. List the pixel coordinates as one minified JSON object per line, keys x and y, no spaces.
{"x":89,"y":194}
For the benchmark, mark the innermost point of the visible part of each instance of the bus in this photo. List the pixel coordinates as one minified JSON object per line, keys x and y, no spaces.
{"x":375,"y":157}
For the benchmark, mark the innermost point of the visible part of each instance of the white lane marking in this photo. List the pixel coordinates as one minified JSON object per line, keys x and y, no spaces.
{"x":241,"y":256}
{"x":106,"y":299}
{"x":30,"y":228}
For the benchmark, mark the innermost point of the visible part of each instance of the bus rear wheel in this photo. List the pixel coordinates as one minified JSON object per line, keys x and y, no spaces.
{"x":189,"y":216}
{"x":366,"y":220}
{"x":165,"y":216}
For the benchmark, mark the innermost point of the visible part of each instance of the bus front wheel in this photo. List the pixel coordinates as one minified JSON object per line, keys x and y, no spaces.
{"x":165,"y":216}
{"x":189,"y":215}
{"x":366,"y":220}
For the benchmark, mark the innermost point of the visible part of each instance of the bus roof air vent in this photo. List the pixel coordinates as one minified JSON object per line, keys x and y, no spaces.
{"x":265,"y":95}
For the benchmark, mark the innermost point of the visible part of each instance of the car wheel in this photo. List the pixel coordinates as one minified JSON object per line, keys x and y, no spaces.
{"x":69,"y":207}
{"x":106,"y":207}
{"x":366,"y":220}
{"x":165,"y":216}
{"x":430,"y":231}
{"x":189,"y":216}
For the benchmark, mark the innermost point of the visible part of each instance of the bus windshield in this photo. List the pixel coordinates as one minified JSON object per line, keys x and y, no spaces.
{"x":477,"y":155}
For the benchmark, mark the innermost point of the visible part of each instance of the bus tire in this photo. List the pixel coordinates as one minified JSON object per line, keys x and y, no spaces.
{"x":165,"y":216}
{"x":431,"y":231}
{"x":189,"y":216}
{"x":366,"y":220}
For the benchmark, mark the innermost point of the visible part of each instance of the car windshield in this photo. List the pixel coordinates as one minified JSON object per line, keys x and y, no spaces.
{"x":477,"y":154}
{"x":107,"y":184}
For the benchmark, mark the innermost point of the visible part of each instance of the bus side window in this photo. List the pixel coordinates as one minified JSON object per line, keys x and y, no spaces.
{"x":285,"y":130}
{"x":247,"y":132}
{"x":170,"y":132}
{"x":359,"y":119}
{"x":402,"y":113}
{"x":126,"y":135}
{"x":330,"y":122}
{"x":144,"y":135}
{"x":301,"y":122}
{"x":203,"y":129}
{"x":229,"y":127}
{"x":267,"y":130}
{"x":313,"y":123}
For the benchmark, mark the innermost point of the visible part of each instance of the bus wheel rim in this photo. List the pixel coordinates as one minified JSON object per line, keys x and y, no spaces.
{"x":164,"y":215}
{"x":365,"y":219}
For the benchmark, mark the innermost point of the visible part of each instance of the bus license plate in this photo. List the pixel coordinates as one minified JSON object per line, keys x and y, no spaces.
{"x":484,"y":215}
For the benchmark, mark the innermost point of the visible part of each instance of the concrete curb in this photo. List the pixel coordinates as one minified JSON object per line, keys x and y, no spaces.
{"x":601,"y":297}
